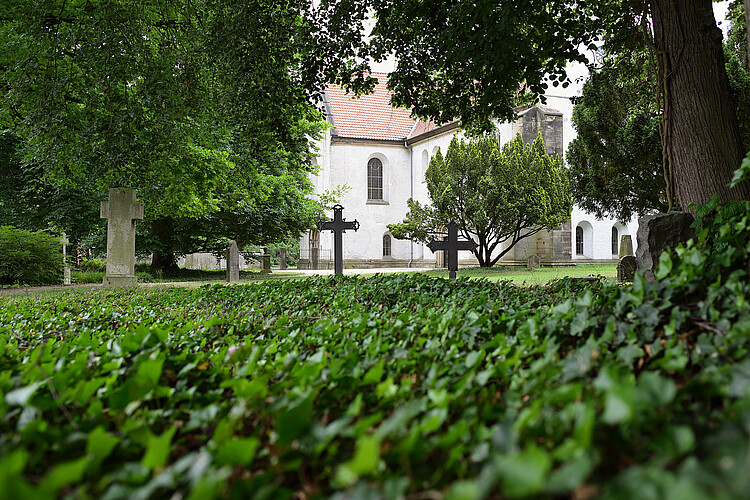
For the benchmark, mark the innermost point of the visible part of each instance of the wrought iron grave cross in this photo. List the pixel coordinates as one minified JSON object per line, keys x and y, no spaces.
{"x":338,"y":225}
{"x":451,"y":247}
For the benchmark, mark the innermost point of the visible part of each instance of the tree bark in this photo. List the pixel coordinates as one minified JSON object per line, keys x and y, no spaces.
{"x":702,"y":134}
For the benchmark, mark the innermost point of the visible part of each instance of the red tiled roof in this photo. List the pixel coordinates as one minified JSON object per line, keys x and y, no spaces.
{"x":371,"y":116}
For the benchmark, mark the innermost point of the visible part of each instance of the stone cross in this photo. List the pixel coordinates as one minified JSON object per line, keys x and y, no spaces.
{"x":121,"y":212}
{"x":233,"y":262}
{"x":282,"y":258}
{"x":66,"y":268}
{"x":338,"y":225}
{"x":451,"y":247}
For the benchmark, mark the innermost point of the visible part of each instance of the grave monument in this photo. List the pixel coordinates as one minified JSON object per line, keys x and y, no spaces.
{"x":233,"y":262}
{"x":338,"y":225}
{"x":451,"y":246}
{"x":66,"y":268}
{"x":121,"y":211}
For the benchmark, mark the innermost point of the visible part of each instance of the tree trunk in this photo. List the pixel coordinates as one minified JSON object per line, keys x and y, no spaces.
{"x":703,"y":145}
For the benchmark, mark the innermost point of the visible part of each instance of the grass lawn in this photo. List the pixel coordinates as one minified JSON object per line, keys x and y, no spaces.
{"x":534,"y":276}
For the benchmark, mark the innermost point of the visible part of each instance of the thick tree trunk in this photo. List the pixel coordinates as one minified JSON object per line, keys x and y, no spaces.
{"x":702,"y":135}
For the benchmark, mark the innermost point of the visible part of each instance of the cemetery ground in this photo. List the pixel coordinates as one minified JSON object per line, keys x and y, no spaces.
{"x":386,"y":386}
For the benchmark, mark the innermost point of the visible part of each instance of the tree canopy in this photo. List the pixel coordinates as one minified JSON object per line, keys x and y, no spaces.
{"x":469,"y":60}
{"x":201,"y":105}
{"x":497,"y":195}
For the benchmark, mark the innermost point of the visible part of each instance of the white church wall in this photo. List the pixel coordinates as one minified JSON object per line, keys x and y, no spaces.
{"x":348,"y":166}
{"x":598,"y":235}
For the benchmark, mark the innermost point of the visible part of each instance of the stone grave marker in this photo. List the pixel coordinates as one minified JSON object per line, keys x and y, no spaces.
{"x":282,"y":258}
{"x":534,"y":262}
{"x":626,"y":246}
{"x":265,"y":260}
{"x":658,"y":232}
{"x":232,"y":256}
{"x":451,"y":246}
{"x":626,"y":268}
{"x":338,"y":225}
{"x":66,"y":268}
{"x":121,"y":211}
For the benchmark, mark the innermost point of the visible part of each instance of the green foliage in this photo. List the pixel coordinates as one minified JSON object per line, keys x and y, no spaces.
{"x":616,"y":158}
{"x":500,"y":195}
{"x":472,"y":61}
{"x":174,"y":98}
{"x":30,"y":258}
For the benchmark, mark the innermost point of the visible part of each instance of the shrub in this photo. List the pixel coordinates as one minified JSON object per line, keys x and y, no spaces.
{"x":98,"y":265}
{"x":29,"y":258}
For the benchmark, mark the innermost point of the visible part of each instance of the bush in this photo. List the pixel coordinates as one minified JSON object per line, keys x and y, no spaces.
{"x":97,"y":265}
{"x":30,"y":258}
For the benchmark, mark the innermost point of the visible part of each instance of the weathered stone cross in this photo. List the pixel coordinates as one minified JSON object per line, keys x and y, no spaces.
{"x":121,"y":212}
{"x":451,"y":247}
{"x":338,"y":225}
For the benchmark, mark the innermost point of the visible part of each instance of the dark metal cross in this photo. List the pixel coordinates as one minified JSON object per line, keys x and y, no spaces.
{"x":338,"y":225}
{"x":451,"y":247}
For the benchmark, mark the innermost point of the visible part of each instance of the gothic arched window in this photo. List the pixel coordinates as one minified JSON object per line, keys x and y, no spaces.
{"x":615,"y":240}
{"x":579,"y":240}
{"x":386,"y":245}
{"x":374,"y":179}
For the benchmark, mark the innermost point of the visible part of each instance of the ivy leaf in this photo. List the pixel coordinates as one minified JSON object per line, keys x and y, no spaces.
{"x":525,"y":473}
{"x":157,"y":449}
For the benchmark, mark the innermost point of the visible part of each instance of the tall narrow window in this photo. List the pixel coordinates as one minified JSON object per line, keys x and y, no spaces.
{"x":579,"y":240}
{"x":374,"y":179}
{"x":615,"y":240}
{"x":386,"y":245}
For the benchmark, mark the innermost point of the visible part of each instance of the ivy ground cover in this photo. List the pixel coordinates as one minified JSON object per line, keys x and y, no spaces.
{"x":403,"y":386}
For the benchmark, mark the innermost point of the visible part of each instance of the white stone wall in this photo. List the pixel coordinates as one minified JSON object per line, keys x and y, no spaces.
{"x":597,"y":240}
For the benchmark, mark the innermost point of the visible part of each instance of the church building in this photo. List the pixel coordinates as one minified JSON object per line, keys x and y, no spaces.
{"x":379,"y":154}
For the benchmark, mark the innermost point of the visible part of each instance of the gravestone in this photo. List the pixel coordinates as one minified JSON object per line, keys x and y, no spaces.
{"x":282,"y":258}
{"x":534,"y":262}
{"x":626,"y":246}
{"x":232,"y":256}
{"x":338,"y":225}
{"x":66,"y":267}
{"x":121,"y":211}
{"x":626,"y":268}
{"x":265,"y":260}
{"x":658,"y":232}
{"x":451,"y":246}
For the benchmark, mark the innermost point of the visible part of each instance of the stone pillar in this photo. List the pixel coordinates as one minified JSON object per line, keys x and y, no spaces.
{"x":626,"y":246}
{"x":233,"y":262}
{"x":121,"y":211}
{"x":265,"y":260}
{"x":282,"y":258}
{"x":314,"y":258}
{"x":66,"y":267}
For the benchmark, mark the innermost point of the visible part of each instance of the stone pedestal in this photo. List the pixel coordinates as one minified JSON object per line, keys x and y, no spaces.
{"x":626,"y":246}
{"x":121,"y":211}
{"x":282,"y":258}
{"x":657,"y":233}
{"x":233,"y":262}
{"x":265,"y":260}
{"x":314,"y":258}
{"x":626,"y":268}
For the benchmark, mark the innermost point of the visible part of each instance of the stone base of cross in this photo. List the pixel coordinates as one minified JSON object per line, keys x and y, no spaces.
{"x":451,"y":246}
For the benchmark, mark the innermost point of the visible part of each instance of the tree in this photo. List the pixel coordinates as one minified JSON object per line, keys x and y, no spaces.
{"x":468,"y":59}
{"x":616,"y":158}
{"x":499,"y":195}
{"x":616,"y":161}
{"x":200,"y":105}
